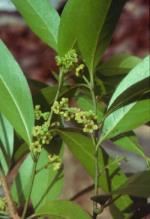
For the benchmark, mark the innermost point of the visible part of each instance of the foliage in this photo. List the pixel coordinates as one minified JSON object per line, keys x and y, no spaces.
{"x":100,"y":114}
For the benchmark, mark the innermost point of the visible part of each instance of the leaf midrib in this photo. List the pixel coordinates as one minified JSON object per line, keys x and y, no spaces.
{"x":17,"y":106}
{"x":36,"y":12}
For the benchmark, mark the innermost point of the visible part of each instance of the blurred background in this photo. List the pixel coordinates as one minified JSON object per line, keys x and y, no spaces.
{"x":37,"y":62}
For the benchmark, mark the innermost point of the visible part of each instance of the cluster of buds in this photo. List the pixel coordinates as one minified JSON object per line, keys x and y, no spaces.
{"x":55,"y":161}
{"x":86,"y":118}
{"x":3,"y":204}
{"x":67,"y":62}
{"x":41,"y":133}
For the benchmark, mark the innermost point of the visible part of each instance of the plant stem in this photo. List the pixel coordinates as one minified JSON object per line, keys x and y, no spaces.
{"x":82,"y":192}
{"x":60,"y":83}
{"x":11,"y":207}
{"x":92,"y":92}
{"x":95,"y":207}
{"x":30,"y":189}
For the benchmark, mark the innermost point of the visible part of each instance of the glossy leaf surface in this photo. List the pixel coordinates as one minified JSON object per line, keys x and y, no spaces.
{"x":15,"y":97}
{"x":135,"y":76}
{"x":109,"y":26}
{"x":90,"y":24}
{"x":79,"y":144}
{"x":42,"y":18}
{"x":126,"y":118}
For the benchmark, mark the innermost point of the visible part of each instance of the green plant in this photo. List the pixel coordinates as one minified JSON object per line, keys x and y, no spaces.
{"x":101,"y":113}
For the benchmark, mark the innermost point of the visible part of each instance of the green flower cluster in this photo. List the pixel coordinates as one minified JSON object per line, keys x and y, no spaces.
{"x":86,"y":118}
{"x":41,"y":133}
{"x":42,"y":136}
{"x":55,"y":161}
{"x":3,"y":204}
{"x":67,"y":62}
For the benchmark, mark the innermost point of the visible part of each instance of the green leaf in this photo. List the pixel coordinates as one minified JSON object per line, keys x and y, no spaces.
{"x":6,"y":143}
{"x":82,"y":21}
{"x":92,"y":19}
{"x":90,"y":24}
{"x":42,"y":18}
{"x":68,"y":26}
{"x":62,"y":210}
{"x":47,"y":183}
{"x":82,"y":148}
{"x":136,"y":75}
{"x":125,"y":119}
{"x":137,"y":185}
{"x":15,"y":97}
{"x":129,"y":142}
{"x":108,"y":29}
{"x":118,"y":64}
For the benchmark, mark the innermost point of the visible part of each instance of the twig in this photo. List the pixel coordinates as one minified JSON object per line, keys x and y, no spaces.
{"x":82,"y":192}
{"x":11,"y":207}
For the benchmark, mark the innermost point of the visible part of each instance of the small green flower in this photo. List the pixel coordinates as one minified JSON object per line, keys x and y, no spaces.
{"x":90,"y":127}
{"x":80,"y":117}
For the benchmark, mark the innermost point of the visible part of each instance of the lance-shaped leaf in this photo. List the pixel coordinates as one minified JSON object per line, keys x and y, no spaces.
{"x":6,"y":143}
{"x":118,"y":64}
{"x":109,"y":27}
{"x":137,"y":185}
{"x":42,"y":18}
{"x":62,"y":210}
{"x":15,"y":97}
{"x":137,"y":76}
{"x":90,"y":24}
{"x":81,"y":147}
{"x":68,"y":26}
{"x":91,"y":20}
{"x":126,"y":118}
